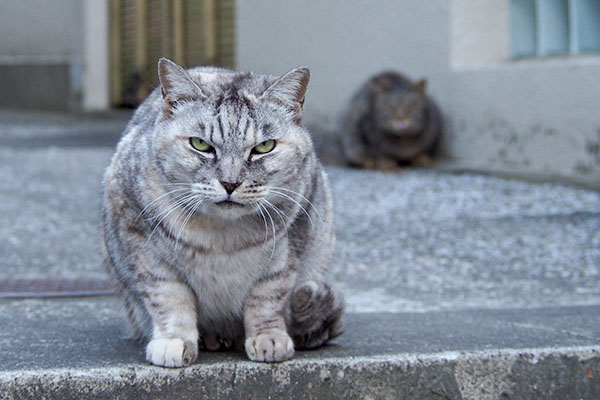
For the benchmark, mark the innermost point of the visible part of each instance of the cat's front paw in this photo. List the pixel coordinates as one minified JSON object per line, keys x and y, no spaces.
{"x":270,"y":347}
{"x":171,"y":352}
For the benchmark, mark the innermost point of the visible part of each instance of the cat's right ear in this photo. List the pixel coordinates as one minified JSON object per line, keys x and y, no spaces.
{"x":289,"y":91}
{"x":176,"y":84}
{"x":420,"y":87}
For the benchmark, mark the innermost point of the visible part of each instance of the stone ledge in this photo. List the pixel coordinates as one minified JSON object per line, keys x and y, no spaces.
{"x":68,"y":349}
{"x":561,"y":373}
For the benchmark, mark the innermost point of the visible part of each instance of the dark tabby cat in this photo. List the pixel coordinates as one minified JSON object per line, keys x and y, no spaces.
{"x":218,"y":221}
{"x":389,"y":121}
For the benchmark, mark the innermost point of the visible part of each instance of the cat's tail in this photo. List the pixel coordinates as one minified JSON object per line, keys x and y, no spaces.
{"x":316,"y":312}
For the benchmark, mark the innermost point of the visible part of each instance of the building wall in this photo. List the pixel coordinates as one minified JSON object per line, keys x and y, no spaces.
{"x":41,"y":28}
{"x":537,"y":117}
{"x":343,"y":43}
{"x":53,"y":54}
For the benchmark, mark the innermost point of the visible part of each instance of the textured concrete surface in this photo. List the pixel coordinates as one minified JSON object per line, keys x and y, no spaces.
{"x":458,"y":286}
{"x":416,"y":240}
{"x":66,"y":349}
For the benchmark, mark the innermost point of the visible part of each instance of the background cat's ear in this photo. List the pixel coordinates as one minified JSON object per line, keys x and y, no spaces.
{"x":420,"y":87}
{"x":289,"y":90}
{"x":176,"y":84}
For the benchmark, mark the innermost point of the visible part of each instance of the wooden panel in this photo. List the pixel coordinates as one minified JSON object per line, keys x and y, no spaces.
{"x":226,"y":33}
{"x":190,"y":32}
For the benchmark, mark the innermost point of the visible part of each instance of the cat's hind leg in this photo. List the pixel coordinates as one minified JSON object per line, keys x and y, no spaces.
{"x":316,"y":312}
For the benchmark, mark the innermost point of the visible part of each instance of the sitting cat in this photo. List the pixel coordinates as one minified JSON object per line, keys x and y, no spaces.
{"x":389,"y":121}
{"x":218,"y":221}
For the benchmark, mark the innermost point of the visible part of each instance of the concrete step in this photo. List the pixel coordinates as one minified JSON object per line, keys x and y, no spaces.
{"x":74,"y":349}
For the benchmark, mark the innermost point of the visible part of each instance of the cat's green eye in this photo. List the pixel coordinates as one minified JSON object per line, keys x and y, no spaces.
{"x":200,"y":145}
{"x":264,"y":147}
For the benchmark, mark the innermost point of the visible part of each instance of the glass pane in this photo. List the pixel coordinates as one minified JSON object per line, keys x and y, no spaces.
{"x":586,"y":21}
{"x":552,"y":27}
{"x":522,"y":28}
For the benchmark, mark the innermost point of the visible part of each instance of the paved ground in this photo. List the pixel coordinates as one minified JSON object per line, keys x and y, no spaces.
{"x":431,"y":263}
{"x":416,"y":240}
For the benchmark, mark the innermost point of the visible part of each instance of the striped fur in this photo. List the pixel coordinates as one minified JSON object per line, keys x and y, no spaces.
{"x":198,"y":267}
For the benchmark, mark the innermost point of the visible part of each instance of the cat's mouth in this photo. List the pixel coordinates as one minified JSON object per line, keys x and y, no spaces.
{"x":229,"y":203}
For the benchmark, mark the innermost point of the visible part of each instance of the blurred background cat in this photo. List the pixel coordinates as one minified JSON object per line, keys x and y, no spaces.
{"x":390,"y":121}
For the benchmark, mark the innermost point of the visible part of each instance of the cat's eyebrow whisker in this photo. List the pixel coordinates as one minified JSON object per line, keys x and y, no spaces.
{"x":310,"y":203}
{"x":298,"y":204}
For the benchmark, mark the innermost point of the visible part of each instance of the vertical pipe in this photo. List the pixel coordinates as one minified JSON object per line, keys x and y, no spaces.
{"x":116,"y":78}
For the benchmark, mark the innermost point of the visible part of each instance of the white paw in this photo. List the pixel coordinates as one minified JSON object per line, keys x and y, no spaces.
{"x":171,"y":352}
{"x":270,"y":347}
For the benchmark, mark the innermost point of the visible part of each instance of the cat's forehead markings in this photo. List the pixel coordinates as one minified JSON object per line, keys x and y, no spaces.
{"x":208,"y":77}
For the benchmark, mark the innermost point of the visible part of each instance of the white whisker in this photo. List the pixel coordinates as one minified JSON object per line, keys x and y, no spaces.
{"x":177,"y":202}
{"x":310,"y":203}
{"x":273,"y":228}
{"x":157,"y":199}
{"x":167,"y":212}
{"x":259,"y":208}
{"x":279,"y":213}
{"x":275,"y":192}
{"x":193,"y":206}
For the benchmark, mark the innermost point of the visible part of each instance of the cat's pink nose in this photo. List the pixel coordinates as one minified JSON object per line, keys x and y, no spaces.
{"x":230,"y":187}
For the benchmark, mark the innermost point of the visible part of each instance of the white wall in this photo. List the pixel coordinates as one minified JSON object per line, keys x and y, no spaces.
{"x":343,"y":43}
{"x":41,"y":28}
{"x":55,"y":54}
{"x":539,"y":116}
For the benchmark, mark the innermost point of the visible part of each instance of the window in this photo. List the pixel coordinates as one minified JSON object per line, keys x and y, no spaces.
{"x":554,"y":27}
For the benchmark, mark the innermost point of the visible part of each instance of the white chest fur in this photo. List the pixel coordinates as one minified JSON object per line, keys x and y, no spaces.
{"x":223,"y":281}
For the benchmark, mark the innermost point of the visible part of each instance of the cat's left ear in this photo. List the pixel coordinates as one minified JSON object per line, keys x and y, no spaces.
{"x":176,"y":84}
{"x":420,"y":87}
{"x":289,"y":91}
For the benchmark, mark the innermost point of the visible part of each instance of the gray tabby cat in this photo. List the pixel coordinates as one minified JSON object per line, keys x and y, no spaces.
{"x":389,"y":121}
{"x":218,"y":223}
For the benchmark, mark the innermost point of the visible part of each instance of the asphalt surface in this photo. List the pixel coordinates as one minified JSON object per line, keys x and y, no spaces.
{"x":414,"y":240}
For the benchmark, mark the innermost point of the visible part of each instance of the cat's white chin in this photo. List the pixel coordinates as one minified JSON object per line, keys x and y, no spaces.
{"x":228,"y":210}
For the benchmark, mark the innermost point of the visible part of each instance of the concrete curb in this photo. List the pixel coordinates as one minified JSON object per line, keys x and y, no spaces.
{"x":561,"y":373}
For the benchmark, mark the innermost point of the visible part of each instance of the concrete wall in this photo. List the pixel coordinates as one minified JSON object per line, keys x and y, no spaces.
{"x":41,"y":52}
{"x":537,"y":117}
{"x":41,"y":28}
{"x":343,"y":43}
{"x":54,"y":54}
